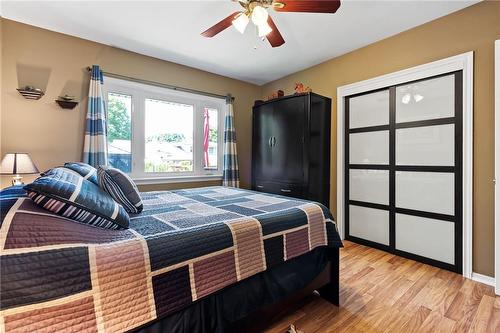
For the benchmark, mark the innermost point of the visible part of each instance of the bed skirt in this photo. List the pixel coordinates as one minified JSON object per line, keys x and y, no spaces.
{"x":219,"y":311}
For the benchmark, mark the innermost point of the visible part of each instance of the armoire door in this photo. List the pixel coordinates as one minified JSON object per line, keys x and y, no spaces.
{"x":404,"y":170}
{"x":262,"y":142}
{"x":288,"y":139}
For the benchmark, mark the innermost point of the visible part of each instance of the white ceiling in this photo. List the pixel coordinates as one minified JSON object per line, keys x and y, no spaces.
{"x":170,"y":30}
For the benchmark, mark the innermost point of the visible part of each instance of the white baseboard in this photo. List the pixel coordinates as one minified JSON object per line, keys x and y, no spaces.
{"x":483,"y":279}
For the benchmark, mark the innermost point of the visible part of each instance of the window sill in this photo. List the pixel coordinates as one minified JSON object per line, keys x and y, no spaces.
{"x":176,"y":179}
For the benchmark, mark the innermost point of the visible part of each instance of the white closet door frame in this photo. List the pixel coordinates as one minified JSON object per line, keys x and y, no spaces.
{"x":497,"y":166}
{"x":463,"y":62}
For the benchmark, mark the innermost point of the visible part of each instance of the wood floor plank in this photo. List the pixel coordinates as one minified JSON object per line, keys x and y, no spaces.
{"x":360,"y":274}
{"x":315,"y":316}
{"x":455,"y":283}
{"x":415,"y":321}
{"x":417,"y":287}
{"x":444,"y":295}
{"x":347,"y":315}
{"x":416,"y":272}
{"x":482,"y":317}
{"x":407,"y":318}
{"x":283,"y":323}
{"x":494,"y":322}
{"x":470,"y":308}
{"x":430,"y":323}
{"x":446,"y":325}
{"x":376,"y":308}
{"x":456,"y":308}
{"x":384,"y":293}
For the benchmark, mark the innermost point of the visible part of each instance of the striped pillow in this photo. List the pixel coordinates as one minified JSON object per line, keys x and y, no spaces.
{"x":85,"y":170}
{"x":121,"y":188}
{"x":70,"y":195}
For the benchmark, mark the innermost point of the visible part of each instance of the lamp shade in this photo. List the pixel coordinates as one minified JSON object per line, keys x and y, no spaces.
{"x":17,"y":163}
{"x":264,"y":29}
{"x":241,"y":22}
{"x":259,"y":15}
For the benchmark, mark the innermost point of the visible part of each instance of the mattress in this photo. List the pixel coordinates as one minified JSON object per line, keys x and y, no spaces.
{"x":60,"y":275}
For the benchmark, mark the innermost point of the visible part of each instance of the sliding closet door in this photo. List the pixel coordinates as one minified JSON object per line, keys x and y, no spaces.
{"x":367,"y":165}
{"x":404,"y":174}
{"x":428,"y":177}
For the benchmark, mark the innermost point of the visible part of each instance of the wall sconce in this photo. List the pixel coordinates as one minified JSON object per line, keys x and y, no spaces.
{"x":29,"y":92}
{"x":67,"y":102}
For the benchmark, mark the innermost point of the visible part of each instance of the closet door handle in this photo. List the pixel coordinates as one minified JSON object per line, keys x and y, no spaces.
{"x":274,"y":141}
{"x":270,"y":141}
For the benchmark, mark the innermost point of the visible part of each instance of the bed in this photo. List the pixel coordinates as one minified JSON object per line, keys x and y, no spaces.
{"x":193,"y":260}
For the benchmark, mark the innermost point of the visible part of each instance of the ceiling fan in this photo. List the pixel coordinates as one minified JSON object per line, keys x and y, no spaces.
{"x":256,"y":11}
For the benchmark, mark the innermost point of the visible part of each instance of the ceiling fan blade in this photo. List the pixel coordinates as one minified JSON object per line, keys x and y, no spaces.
{"x":222,"y":25}
{"x":307,"y":6}
{"x":274,"y":37}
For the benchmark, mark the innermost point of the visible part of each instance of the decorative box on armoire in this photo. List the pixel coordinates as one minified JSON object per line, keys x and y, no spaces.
{"x":291,"y":147}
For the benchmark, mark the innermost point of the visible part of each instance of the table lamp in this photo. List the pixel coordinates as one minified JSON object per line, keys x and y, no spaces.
{"x":17,"y":164}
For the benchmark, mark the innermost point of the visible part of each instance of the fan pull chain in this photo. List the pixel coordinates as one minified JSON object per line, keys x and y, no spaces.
{"x":262,"y":39}
{"x":256,"y":35}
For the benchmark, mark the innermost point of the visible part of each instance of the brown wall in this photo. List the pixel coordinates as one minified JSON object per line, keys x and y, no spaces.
{"x":472,"y":29}
{"x":51,"y":135}
{"x":57,"y":62}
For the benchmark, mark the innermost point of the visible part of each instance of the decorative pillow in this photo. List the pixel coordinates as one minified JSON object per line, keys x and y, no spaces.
{"x":58,"y":169}
{"x":121,"y":188}
{"x":70,"y":195}
{"x":85,"y":170}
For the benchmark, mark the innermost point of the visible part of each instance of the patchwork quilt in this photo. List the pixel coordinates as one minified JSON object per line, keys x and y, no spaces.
{"x":60,"y":275}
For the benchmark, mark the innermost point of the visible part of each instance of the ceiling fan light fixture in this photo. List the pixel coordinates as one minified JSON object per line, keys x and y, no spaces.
{"x":264,"y":29}
{"x":406,"y":99}
{"x":240,"y":22}
{"x":259,"y":15}
{"x":257,"y":12}
{"x":418,"y":97}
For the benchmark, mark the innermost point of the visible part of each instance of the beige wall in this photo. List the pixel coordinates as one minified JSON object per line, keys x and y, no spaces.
{"x":57,"y":62}
{"x":472,"y":29}
{"x":52,"y":135}
{"x":1,"y":99}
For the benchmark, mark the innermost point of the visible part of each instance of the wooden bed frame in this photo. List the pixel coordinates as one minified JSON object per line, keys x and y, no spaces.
{"x":326,"y":283}
{"x":331,"y":288}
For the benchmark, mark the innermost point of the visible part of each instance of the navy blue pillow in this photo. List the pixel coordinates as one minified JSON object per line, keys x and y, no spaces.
{"x":85,"y":170}
{"x":121,"y":188}
{"x":70,"y":195}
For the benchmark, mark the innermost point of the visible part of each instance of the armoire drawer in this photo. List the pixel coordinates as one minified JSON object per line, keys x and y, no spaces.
{"x":287,"y":189}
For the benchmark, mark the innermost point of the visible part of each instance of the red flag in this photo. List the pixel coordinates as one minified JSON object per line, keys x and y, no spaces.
{"x":206,"y":138}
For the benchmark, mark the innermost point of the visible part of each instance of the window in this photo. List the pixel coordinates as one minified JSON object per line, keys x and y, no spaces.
{"x":169,"y":136}
{"x":157,"y":134}
{"x":119,"y":131}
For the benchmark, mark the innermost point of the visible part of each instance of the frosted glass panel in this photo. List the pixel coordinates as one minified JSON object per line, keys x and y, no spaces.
{"x":429,"y":145}
{"x":369,"y":148}
{"x":369,"y":110}
{"x":425,"y":237}
{"x":426,"y":191}
{"x":370,"y":224}
{"x":429,"y":99}
{"x":369,"y":186}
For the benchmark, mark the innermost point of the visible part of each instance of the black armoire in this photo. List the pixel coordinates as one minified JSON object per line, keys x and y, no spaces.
{"x":291,"y":147}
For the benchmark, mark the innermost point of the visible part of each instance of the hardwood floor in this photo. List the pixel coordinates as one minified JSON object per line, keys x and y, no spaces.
{"x":381,"y":292}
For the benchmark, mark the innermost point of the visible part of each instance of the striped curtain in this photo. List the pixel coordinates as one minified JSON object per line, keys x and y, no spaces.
{"x":95,"y":150}
{"x":230,"y":172}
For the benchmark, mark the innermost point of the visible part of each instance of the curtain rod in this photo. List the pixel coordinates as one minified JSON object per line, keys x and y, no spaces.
{"x":163,"y":85}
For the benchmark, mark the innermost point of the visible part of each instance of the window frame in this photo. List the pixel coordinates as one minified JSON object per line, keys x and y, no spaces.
{"x":139,"y":92}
